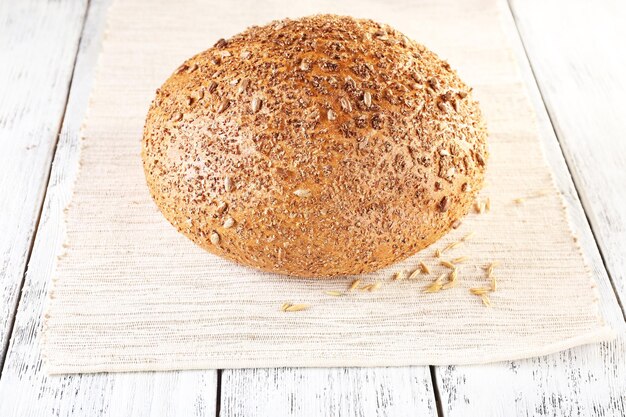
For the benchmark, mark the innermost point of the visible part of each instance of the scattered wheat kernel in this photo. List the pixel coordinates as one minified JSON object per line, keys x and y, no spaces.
{"x":452,"y":276}
{"x":447,"y":264}
{"x":519,"y":200}
{"x":284,"y":306}
{"x":434,"y":287}
{"x":485,"y":300}
{"x":375,"y":286}
{"x":477,"y":207}
{"x":354,"y":284}
{"x":437,"y":253}
{"x":297,"y":307}
{"x":460,"y":259}
{"x":423,"y":268}
{"x":488,"y":204}
{"x":400,"y":275}
{"x":448,"y":285}
{"x":490,"y":268}
{"x":480,"y":290}
{"x":366,"y":287}
{"x":334,"y":293}
{"x":452,"y":245}
{"x":414,"y":274}
{"x":467,"y":236}
{"x":494,"y":285}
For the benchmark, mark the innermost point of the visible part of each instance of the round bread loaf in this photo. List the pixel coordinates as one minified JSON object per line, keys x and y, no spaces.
{"x":315,"y":147}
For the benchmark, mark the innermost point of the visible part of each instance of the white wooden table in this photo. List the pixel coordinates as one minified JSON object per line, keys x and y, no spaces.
{"x":572,"y":56}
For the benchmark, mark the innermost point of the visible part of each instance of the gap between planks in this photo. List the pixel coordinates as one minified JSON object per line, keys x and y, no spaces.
{"x":46,"y":181}
{"x":33,"y":107}
{"x":25,"y":389}
{"x":587,"y":380}
{"x":568,"y":163}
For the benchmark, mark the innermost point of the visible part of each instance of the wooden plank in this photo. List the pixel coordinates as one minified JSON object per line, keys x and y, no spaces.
{"x":587,"y":106}
{"x":37,"y":49}
{"x":25,"y":389}
{"x":588,"y":380}
{"x":328,"y":392}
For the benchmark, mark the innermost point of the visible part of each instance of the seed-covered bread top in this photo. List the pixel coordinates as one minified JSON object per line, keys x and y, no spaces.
{"x":315,"y":147}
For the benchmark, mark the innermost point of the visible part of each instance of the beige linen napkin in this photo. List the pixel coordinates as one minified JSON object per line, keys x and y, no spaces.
{"x":131,"y":294}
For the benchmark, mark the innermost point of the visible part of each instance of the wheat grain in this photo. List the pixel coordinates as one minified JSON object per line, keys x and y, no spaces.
{"x":297,"y":307}
{"x":452,"y":246}
{"x":448,"y":285}
{"x":467,"y":237}
{"x":485,"y":300}
{"x":224,"y":104}
{"x":255,"y":105}
{"x":447,"y":264}
{"x":480,"y":290}
{"x":490,"y":268}
{"x":333,"y":293}
{"x":228,"y":184}
{"x":367,"y":99}
{"x":453,"y":275}
{"x":538,"y":194}
{"x":354,"y":284}
{"x":302,"y":193}
{"x":400,"y":275}
{"x":423,"y":268}
{"x":434,"y":287}
{"x":460,"y":259}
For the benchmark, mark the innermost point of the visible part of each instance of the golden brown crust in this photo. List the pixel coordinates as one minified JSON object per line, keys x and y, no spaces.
{"x":315,"y":147}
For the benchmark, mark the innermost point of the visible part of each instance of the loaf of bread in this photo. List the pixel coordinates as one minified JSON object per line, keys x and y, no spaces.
{"x":315,"y":147}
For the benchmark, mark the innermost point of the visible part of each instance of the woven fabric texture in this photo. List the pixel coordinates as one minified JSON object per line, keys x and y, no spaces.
{"x":131,"y":294}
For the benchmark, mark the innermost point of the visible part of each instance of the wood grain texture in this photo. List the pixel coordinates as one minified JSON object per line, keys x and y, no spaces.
{"x":38,"y":43}
{"x":328,"y":392}
{"x":585,"y":381}
{"x":581,"y":75}
{"x":25,"y":389}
